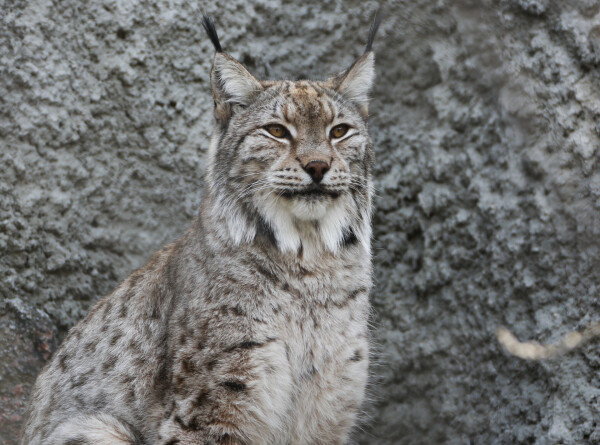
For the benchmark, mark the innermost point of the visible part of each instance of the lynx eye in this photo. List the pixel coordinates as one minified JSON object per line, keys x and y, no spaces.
{"x":279,"y":131}
{"x":338,"y":131}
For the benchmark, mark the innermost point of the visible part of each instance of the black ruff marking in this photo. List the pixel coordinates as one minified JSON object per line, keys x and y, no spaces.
{"x":350,"y":238}
{"x":264,"y":229}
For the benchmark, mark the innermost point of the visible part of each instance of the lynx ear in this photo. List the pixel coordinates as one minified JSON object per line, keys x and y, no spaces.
{"x":356,"y":82}
{"x":231,"y":83}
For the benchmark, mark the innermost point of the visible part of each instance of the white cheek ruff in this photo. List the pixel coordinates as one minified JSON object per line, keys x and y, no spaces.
{"x":237,"y":227}
{"x":333,"y":224}
{"x":313,"y":225}
{"x":281,"y":222}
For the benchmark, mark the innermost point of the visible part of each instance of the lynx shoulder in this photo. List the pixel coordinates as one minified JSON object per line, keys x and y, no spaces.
{"x":252,"y":327}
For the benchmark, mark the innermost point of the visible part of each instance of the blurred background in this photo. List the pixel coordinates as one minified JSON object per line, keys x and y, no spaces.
{"x":485,"y":118}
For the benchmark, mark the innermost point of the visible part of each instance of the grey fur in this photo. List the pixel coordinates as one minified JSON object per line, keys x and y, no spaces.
{"x":252,"y":327}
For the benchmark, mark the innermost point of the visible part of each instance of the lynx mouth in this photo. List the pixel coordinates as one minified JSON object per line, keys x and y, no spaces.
{"x":314,"y":192}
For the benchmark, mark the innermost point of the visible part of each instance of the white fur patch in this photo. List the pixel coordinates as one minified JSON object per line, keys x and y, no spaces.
{"x":282,"y":223}
{"x":333,"y":224}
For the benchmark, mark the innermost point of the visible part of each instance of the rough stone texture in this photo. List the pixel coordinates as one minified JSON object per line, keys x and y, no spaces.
{"x":486,"y":122}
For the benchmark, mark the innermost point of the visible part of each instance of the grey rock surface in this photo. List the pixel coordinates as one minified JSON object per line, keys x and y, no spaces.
{"x":486,"y":119}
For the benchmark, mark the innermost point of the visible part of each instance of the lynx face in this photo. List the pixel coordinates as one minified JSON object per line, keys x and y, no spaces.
{"x":293,"y":158}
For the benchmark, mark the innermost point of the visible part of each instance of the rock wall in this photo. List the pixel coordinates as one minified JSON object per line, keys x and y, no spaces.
{"x":485,"y":117}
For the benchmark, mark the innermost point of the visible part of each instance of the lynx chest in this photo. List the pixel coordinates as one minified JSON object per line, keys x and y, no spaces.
{"x":322,"y":355}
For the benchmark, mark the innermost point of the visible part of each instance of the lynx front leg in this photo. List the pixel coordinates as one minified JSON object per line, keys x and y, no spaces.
{"x":174,"y":433}
{"x":236,"y":414}
{"x":240,"y":396}
{"x":216,"y":422}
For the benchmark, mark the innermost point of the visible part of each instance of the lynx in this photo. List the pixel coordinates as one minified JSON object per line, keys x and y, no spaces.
{"x":252,"y":327}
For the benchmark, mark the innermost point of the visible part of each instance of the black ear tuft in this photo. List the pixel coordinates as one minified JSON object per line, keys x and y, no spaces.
{"x":374,"y":27}
{"x":209,"y":27}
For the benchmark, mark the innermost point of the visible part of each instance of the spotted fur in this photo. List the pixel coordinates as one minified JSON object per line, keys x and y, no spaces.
{"x":251,"y":328}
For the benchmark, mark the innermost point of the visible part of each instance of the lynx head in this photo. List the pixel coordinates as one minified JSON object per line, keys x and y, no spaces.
{"x":291,"y":159}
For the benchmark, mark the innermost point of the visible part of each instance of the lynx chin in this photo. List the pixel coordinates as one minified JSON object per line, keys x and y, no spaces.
{"x":252,"y":327}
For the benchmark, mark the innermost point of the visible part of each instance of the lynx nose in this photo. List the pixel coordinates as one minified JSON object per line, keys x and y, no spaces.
{"x":316,"y":170}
